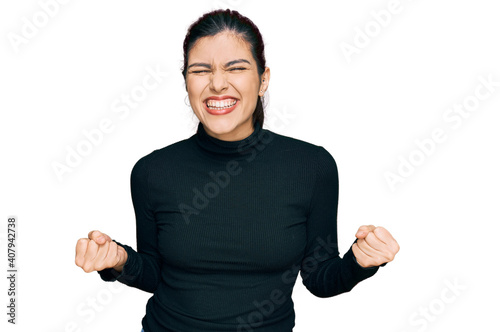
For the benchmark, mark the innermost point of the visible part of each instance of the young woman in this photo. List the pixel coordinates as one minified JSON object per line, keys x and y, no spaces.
{"x":227,"y":218}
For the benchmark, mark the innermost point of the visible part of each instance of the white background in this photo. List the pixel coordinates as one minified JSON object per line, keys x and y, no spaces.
{"x":366,"y":109}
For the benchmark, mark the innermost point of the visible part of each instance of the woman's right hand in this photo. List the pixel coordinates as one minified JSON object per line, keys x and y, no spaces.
{"x":99,"y":252}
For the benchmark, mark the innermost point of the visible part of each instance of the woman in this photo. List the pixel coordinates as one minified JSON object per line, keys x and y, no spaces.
{"x":227,"y":218}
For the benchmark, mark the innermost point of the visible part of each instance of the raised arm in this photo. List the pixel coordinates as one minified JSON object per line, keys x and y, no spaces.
{"x":142,"y":268}
{"x":323,"y":271}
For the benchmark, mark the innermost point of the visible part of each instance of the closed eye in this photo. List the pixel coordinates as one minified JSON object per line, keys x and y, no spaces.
{"x":208,"y":71}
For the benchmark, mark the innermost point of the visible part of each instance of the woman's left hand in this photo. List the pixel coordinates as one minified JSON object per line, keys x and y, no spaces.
{"x":375,"y":246}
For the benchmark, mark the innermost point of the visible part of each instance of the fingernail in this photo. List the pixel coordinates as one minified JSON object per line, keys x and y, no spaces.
{"x":100,"y":238}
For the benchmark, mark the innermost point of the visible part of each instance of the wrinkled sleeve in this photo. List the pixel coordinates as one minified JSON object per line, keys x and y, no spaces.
{"x":142,"y":269}
{"x":323,"y":271}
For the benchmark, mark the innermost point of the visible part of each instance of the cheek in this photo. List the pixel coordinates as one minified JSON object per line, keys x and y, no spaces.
{"x":197,"y":84}
{"x":246,"y":87}
{"x":195,"y":87}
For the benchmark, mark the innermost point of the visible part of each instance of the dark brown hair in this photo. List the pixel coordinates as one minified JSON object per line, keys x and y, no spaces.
{"x":214,"y":22}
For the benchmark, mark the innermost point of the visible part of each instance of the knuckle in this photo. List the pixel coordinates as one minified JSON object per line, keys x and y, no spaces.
{"x":378,"y":230}
{"x":81,"y":242}
{"x":78,"y":262}
{"x":379,"y":260}
{"x":397,"y":247}
{"x":87,"y":268}
{"x":113,"y":261}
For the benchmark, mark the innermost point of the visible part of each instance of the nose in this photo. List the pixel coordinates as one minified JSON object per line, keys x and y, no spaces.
{"x":218,"y":81}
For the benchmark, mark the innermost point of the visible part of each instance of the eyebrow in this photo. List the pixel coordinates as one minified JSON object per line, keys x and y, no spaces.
{"x":206,"y":65}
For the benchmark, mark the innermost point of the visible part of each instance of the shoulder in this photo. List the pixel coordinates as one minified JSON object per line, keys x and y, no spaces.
{"x":163,"y":156}
{"x":299,"y":148}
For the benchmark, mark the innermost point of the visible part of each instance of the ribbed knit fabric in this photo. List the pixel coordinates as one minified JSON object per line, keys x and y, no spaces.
{"x":223,"y":228}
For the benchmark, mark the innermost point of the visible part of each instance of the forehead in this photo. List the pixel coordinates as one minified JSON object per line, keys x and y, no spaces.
{"x":221,"y":48}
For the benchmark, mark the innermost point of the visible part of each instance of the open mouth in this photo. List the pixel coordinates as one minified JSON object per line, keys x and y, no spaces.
{"x":218,"y":105}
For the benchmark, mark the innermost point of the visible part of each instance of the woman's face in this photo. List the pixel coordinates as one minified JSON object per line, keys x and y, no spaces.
{"x":223,"y":85}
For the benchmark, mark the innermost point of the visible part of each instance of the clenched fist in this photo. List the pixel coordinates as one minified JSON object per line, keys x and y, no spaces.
{"x":375,"y":246}
{"x":99,"y":252}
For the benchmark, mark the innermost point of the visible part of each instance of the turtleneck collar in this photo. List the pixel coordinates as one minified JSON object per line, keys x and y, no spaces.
{"x":232,"y":149}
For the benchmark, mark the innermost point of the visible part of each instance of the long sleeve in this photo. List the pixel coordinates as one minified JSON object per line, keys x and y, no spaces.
{"x":142,"y":269}
{"x":323,"y":272}
{"x":259,"y":211}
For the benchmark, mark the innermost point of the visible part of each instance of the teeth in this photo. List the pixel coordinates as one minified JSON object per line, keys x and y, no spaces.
{"x":220,"y":104}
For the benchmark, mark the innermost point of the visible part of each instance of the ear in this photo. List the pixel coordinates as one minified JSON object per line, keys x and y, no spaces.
{"x":264,"y":81}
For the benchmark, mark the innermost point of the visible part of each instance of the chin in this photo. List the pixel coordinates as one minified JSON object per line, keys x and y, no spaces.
{"x":220,"y":126}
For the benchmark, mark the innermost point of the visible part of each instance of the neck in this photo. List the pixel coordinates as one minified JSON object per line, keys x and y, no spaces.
{"x":233,"y":149}
{"x":240,"y":133}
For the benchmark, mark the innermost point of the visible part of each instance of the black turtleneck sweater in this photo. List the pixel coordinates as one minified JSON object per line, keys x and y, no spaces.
{"x":224,"y":227}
